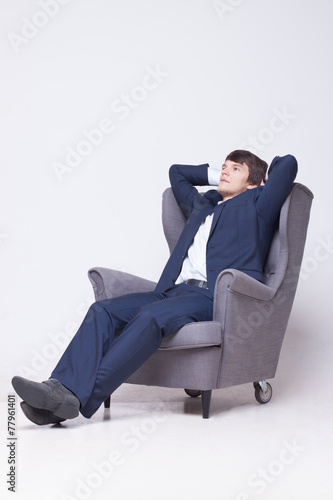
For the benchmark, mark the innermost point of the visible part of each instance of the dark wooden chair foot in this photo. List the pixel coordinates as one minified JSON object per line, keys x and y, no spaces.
{"x":206,"y":397}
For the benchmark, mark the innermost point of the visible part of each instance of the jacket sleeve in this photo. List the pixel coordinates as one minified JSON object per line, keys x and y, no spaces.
{"x":183,"y":178}
{"x":281,"y":176}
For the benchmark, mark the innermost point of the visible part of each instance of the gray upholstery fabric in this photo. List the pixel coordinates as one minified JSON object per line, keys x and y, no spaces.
{"x":109,"y":283}
{"x":190,"y":336}
{"x":243,"y":342}
{"x":173,"y":219}
{"x":185,"y":368}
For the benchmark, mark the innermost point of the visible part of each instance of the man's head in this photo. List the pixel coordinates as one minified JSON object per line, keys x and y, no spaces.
{"x":241,"y":170}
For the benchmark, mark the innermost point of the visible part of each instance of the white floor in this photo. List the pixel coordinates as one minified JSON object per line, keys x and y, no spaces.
{"x":154,"y":445}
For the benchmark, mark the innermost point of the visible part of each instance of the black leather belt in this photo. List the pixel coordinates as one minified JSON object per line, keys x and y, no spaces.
{"x":200,"y":284}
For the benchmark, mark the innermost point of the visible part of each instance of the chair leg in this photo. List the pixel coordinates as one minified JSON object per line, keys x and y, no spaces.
{"x":107,"y":402}
{"x":205,"y":401}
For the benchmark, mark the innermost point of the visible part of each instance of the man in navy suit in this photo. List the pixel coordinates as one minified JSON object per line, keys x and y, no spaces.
{"x":228,"y":227}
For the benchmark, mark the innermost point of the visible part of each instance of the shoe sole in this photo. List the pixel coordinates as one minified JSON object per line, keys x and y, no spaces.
{"x":32,"y":415}
{"x":35,"y":395}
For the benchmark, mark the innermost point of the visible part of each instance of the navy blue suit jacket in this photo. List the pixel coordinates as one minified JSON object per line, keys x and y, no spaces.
{"x":242,"y":227}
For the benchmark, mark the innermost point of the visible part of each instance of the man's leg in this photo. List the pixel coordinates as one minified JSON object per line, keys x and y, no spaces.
{"x":73,"y":378}
{"x":143,"y":335}
{"x":78,"y":366}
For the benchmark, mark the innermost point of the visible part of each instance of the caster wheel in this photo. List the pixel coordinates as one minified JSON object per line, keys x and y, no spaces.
{"x":261,"y":396}
{"x":193,"y":393}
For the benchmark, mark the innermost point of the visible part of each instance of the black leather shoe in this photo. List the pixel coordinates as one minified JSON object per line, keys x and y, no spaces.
{"x":48,"y":395}
{"x":40,"y":417}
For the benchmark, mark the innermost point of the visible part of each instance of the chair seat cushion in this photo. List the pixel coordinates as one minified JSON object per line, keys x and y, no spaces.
{"x":194,"y":335}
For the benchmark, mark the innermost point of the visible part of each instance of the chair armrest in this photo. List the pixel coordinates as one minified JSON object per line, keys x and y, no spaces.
{"x":253,"y":324}
{"x":243,"y":283}
{"x":237,"y":282}
{"x":109,"y":283}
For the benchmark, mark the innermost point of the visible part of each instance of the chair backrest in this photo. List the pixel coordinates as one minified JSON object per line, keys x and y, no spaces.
{"x":173,"y":218}
{"x":286,"y":252}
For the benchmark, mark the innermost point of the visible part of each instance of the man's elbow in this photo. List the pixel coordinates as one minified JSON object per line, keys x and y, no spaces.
{"x":291,"y":161}
{"x":173,"y":171}
{"x":293,"y":165}
{"x":288,"y":163}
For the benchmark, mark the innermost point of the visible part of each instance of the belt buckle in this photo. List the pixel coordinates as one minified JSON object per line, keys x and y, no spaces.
{"x":201,"y":284}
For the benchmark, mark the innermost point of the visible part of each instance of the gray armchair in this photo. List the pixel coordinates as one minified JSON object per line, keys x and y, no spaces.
{"x":243,"y":341}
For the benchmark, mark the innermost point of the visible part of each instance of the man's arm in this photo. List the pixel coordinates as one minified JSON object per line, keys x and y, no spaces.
{"x":183,"y":178}
{"x":281,"y":176}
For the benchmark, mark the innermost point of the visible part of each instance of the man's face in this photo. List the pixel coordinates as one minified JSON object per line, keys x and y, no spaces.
{"x":234,"y":179}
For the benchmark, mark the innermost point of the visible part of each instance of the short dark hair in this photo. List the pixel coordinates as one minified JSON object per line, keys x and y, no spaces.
{"x":257,"y":167}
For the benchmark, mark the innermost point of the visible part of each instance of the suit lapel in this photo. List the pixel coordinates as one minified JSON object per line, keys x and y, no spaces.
{"x":239,"y":200}
{"x":194,"y":222}
{"x":217,"y":214}
{"x":200,"y":218}
{"x":198,"y":215}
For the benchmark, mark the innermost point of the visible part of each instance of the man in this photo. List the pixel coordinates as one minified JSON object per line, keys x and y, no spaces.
{"x":228,"y":227}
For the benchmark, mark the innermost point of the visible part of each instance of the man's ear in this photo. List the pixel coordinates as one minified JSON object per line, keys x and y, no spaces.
{"x":251,"y":186}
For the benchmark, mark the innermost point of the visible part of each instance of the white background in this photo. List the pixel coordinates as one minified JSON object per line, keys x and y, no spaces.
{"x":226,"y":74}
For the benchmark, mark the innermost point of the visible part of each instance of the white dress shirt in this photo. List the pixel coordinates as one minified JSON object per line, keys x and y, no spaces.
{"x":194,"y":265}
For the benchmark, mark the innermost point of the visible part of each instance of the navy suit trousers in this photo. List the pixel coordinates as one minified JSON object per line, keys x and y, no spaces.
{"x":118,"y":335}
